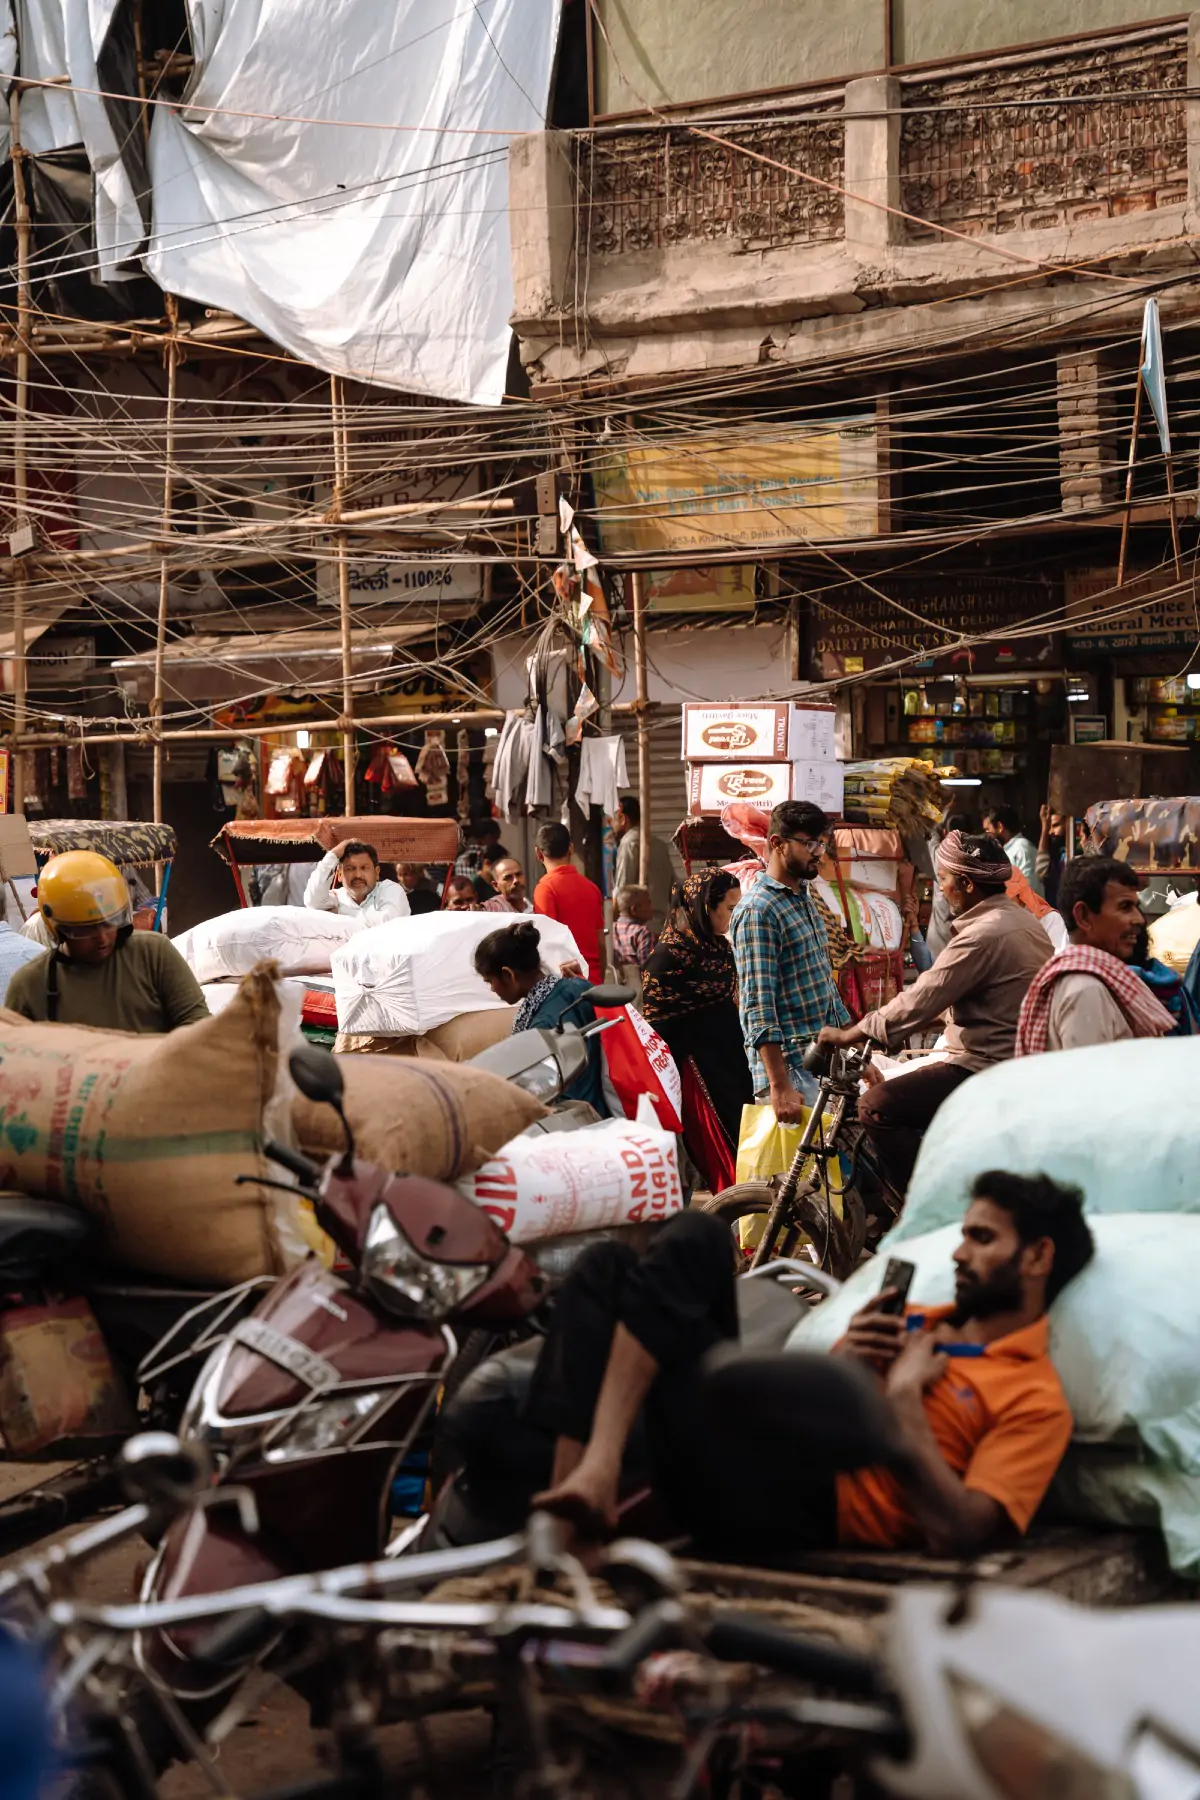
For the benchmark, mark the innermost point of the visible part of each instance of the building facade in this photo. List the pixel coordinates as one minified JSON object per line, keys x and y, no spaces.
{"x":891,"y":262}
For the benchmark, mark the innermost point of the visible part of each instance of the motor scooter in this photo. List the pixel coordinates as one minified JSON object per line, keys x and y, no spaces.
{"x":312,"y":1402}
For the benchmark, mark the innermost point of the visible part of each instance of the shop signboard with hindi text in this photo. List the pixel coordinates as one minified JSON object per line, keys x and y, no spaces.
{"x":718,"y":493}
{"x":1150,"y":611}
{"x":388,"y":578}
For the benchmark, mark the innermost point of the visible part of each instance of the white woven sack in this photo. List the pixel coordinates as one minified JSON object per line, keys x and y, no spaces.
{"x":300,"y":940}
{"x":412,"y":975}
{"x":553,"y":1184}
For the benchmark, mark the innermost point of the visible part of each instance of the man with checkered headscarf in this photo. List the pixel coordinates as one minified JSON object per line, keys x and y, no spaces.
{"x":978,"y":982}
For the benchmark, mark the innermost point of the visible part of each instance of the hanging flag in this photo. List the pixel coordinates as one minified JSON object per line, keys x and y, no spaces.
{"x":1153,"y":373}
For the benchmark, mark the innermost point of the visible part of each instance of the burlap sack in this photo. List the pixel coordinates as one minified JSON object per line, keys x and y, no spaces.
{"x":419,"y":1118}
{"x":148,"y":1134}
{"x":464,"y":1037}
{"x":57,"y":1383}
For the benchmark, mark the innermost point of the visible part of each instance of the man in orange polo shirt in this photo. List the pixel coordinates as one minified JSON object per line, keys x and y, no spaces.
{"x":564,"y":894}
{"x":975,"y":1397}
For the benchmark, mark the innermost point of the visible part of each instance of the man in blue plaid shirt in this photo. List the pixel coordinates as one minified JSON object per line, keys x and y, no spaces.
{"x":786,"y":989}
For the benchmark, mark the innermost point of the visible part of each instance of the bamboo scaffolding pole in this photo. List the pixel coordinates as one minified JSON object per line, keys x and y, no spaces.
{"x":224,"y":734}
{"x":312,"y":523}
{"x":20,"y":471}
{"x":643,"y":736}
{"x":341,"y":482}
{"x":164,"y":569}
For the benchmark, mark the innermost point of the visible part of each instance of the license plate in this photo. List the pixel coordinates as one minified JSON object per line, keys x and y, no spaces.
{"x":291,"y":1355}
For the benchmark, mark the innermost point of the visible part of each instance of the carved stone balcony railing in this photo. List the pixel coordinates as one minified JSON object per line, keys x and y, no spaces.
{"x":640,"y":192}
{"x":1068,"y":137}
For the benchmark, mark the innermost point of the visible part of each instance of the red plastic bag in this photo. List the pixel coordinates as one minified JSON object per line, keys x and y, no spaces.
{"x":640,"y":1063}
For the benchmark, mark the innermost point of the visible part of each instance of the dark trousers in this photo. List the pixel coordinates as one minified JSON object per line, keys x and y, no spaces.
{"x":898,"y":1113}
{"x":729,"y":1487}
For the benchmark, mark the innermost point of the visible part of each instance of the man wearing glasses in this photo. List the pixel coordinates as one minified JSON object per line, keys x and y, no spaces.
{"x":786,"y":990}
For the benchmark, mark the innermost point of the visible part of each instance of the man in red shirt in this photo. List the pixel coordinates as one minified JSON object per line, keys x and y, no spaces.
{"x":564,"y":894}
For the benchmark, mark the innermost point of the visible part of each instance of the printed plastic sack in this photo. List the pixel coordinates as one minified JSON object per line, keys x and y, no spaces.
{"x":1125,"y":1339}
{"x":57,"y":1384}
{"x":640,"y":1063}
{"x":766,"y":1148}
{"x":299,"y":939}
{"x":1118,"y":1120}
{"x":556,"y":1183}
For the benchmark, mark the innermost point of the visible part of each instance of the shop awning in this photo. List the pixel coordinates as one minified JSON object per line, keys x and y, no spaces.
{"x":306,"y":840}
{"x":237,"y":668}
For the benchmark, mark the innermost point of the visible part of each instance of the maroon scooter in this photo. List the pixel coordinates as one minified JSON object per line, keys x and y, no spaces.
{"x":308,"y":1406}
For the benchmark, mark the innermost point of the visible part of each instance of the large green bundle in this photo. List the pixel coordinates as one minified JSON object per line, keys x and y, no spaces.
{"x":900,"y":793}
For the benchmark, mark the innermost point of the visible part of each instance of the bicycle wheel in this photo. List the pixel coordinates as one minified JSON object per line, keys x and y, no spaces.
{"x":837,"y":1243}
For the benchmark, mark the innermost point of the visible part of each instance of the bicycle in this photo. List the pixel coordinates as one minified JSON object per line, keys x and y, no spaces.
{"x":799,"y":1205}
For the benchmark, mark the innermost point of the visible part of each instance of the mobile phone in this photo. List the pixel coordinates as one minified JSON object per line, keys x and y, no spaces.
{"x":897,"y":1275}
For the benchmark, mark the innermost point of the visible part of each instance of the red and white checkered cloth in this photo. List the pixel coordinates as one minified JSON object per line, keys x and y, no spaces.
{"x":1147,"y":1019}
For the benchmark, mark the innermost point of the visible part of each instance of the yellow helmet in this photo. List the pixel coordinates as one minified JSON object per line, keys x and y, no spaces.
{"x":82,"y":888}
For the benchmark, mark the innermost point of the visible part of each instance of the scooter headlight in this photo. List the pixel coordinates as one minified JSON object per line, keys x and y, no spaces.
{"x":544,"y":1080}
{"x":1023,"y":1759}
{"x":324,"y":1426}
{"x":405,"y":1281}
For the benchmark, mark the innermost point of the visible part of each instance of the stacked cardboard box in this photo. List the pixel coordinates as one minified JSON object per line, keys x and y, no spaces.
{"x":760,"y":753}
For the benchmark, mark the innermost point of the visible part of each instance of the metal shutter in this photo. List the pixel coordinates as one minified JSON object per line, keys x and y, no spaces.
{"x":668,"y":776}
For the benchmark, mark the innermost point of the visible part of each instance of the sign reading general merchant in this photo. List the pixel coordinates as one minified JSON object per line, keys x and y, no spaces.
{"x":1151,"y":611}
{"x":720,"y":493}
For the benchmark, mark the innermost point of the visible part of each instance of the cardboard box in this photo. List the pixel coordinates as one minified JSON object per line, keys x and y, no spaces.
{"x":743,"y":733}
{"x":714,"y":786}
{"x":16,"y":848}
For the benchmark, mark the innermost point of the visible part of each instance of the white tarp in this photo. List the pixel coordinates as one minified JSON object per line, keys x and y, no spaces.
{"x":67,"y":37}
{"x":371,"y":252}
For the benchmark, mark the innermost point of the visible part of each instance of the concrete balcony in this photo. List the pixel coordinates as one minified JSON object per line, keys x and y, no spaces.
{"x":721,"y":242}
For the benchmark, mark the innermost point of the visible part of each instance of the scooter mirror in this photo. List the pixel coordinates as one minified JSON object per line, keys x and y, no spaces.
{"x":316,"y":1073}
{"x":826,"y":1404}
{"x":158,"y":1467}
{"x":610,"y":995}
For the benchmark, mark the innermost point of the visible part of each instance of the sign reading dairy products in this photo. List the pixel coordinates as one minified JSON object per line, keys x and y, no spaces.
{"x":714,"y":786}
{"x":742,"y":733}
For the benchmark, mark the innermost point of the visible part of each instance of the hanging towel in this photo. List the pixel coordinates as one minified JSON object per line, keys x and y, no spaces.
{"x":602,"y":773}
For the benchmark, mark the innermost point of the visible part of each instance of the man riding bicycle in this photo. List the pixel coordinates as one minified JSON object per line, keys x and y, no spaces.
{"x":979,"y":981}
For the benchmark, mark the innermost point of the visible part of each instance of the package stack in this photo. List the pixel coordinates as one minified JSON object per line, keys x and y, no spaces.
{"x":761,"y":754}
{"x":897,"y":793}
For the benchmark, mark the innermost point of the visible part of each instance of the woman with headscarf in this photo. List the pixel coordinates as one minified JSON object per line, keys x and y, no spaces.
{"x":689,"y":995}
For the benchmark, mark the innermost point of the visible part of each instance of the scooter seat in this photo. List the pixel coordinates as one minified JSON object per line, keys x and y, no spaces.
{"x":37,"y":1235}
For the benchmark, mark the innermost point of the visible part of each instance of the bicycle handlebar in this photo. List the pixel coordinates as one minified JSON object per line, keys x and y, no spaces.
{"x":738,"y":1637}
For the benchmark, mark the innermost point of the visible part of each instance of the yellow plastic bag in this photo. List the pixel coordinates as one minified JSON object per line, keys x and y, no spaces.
{"x":766,"y":1148}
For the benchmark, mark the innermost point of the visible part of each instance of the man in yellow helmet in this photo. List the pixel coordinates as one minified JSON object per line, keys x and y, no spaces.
{"x":99,"y":970}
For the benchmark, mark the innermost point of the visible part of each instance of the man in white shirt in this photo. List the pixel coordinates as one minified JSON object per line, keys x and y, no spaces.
{"x":362,"y":895}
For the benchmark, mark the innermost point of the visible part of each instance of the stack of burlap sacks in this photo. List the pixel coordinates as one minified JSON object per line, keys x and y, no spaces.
{"x":149,"y":1134}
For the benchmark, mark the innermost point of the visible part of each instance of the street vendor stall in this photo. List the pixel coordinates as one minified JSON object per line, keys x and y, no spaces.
{"x":132,"y":844}
{"x":255,"y":843}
